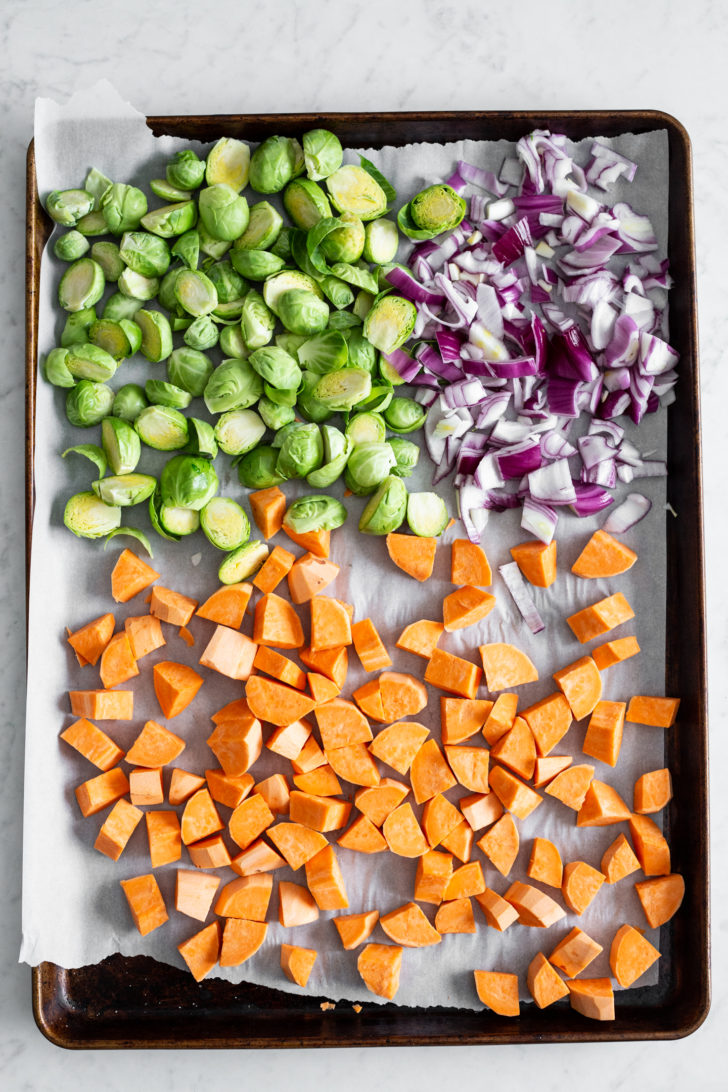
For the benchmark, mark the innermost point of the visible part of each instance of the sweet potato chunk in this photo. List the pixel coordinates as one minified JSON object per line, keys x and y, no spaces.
{"x":574,"y":953}
{"x":227,"y":605}
{"x":630,"y":955}
{"x":549,"y":721}
{"x":534,"y":907}
{"x":544,"y":984}
{"x":581,"y":685}
{"x":430,"y":773}
{"x":408,"y":926}
{"x":297,"y":963}
{"x":468,"y":564}
{"x":618,"y":860}
{"x":379,"y":966}
{"x":398,"y":744}
{"x":403,"y":833}
{"x":453,"y":674}
{"x":600,"y":617}
{"x":240,"y":940}
{"x":592,"y":997}
{"x":603,"y":556}
{"x":354,"y":929}
{"x":506,"y":666}
{"x":414,"y":554}
{"x":201,"y":951}
{"x":325,"y":880}
{"x":580,"y":885}
{"x":501,"y":843}
{"x":545,"y":863}
{"x":661,"y":898}
{"x":498,"y":991}
{"x":455,"y":916}
{"x":130,"y":575}
{"x":433,"y":875}
{"x":421,"y":637}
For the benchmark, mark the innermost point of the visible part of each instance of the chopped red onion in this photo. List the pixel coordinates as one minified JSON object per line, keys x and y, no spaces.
{"x":655,"y":355}
{"x":623,"y":348}
{"x":555,"y":446}
{"x":540,"y":519}
{"x":607,"y":166}
{"x":635,"y":231}
{"x":410,"y":288}
{"x":632,"y":509}
{"x":552,"y":483}
{"x":604,"y":473}
{"x":521,"y":596}
{"x":510,"y":246}
{"x":487,"y":180}
{"x":519,"y":459}
{"x":590,"y":499}
{"x":405,"y":366}
{"x":466,"y":392}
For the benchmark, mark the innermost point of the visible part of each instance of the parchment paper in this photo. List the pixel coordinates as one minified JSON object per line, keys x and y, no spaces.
{"x":74,"y":911}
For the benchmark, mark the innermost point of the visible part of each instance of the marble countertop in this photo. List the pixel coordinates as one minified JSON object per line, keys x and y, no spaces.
{"x":288,"y":55}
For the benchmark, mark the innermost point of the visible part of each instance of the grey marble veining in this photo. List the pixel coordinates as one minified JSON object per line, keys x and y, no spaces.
{"x":382,"y":55}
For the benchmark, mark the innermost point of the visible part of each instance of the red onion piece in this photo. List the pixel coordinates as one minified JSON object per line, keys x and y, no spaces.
{"x":521,"y":596}
{"x":632,"y":509}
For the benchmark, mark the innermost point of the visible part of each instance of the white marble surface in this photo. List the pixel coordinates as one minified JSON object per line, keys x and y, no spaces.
{"x":344,"y":55}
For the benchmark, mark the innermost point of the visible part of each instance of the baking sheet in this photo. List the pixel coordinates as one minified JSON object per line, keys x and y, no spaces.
{"x":74,"y":911}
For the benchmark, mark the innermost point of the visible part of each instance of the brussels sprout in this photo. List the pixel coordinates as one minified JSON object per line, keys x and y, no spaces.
{"x":161,"y":393}
{"x":367,"y":466}
{"x":405,"y":415}
{"x":282,"y":245}
{"x":144,"y":253}
{"x":166,"y":297}
{"x":363,"y":304}
{"x":426,"y":514}
{"x":256,"y":265}
{"x":129,"y":401}
{"x":362,"y":353}
{"x":67,"y":207}
{"x":225,"y":523}
{"x":239,"y":430}
{"x":122,"y":207}
{"x":242,"y":563}
{"x":93,"y":223}
{"x":276,"y":367}
{"x":382,"y":241}
{"x":202,"y":438}
{"x":229,"y":163}
{"x":342,"y":390}
{"x":118,"y":306}
{"x":71,"y":246}
{"x":324,"y":352}
{"x":234,"y":384}
{"x":188,"y":481}
{"x":201,"y":334}
{"x":352,"y":189}
{"x":337,"y":292}
{"x":209,"y":245}
{"x":138,"y":287}
{"x":346,"y":242}
{"x":91,"y":452}
{"x":88,"y":403}
{"x":96,"y":184}
{"x":385,"y":509}
{"x":301,"y":452}
{"x":130,"y":532}
{"x":56,"y":370}
{"x":115,"y":338}
{"x":366,"y":428}
{"x":358,"y":275}
{"x":224,"y":212}
{"x":81,"y":286}
{"x":160,"y":187}
{"x":290,"y":343}
{"x":195,"y":292}
{"x":377,"y":400}
{"x":280,"y":396}
{"x":284,"y":281}
{"x":121,"y":445}
{"x":90,"y":362}
{"x":187,"y":249}
{"x":306,"y":402}
{"x":88,"y":517}
{"x":315,"y":512}
{"x":390,"y":322}
{"x":189,"y":369}
{"x":274,"y":415}
{"x":322,"y":153}
{"x":273,"y":164}
{"x":181,"y":324}
{"x":186,"y":171}
{"x":162,"y":428}
{"x":406,"y":453}
{"x":77,"y":326}
{"x":232,"y":342}
{"x":302,"y":312}
{"x":305,"y":202}
{"x":257,"y":469}
{"x":178,"y":522}
{"x":257,"y":321}
{"x":156,"y":335}
{"x":434,"y":210}
{"x":264,"y":227}
{"x":299,"y":251}
{"x":229,"y":285}
{"x":106,"y":254}
{"x":337,"y":449}
{"x":171,"y":220}
{"x":343,"y":320}
{"x":299,"y":165}
{"x":155,"y":512}
{"x":125,"y":490}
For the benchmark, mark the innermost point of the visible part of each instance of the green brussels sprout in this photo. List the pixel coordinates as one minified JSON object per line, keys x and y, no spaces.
{"x":121,"y":444}
{"x":209,"y":245}
{"x":71,"y":246}
{"x":257,"y":469}
{"x":96,"y":184}
{"x":284,"y":281}
{"x":256,"y":265}
{"x":382,"y":241}
{"x":338,"y":292}
{"x":362,"y":353}
{"x":352,"y":189}
{"x":55,"y":369}
{"x":234,"y":384}
{"x":275,"y":416}
{"x":367,"y":466}
{"x":406,"y":453}
{"x":299,"y":165}
{"x":239,"y":430}
{"x":202,"y":438}
{"x":301,"y":452}
{"x":189,"y":369}
{"x":426,"y":514}
{"x":88,"y":517}
{"x":386,"y":508}
{"x":290,"y":343}
{"x":186,"y":171}
{"x":232,"y":342}
{"x":305,"y":202}
{"x":404,"y":415}
{"x":242,"y":563}
{"x":181,"y":324}
{"x":264,"y":227}
{"x":114,"y":338}
{"x":307,"y":404}
{"x":276,"y":367}
{"x":171,"y":220}
{"x":187,"y":249}
{"x":90,"y":362}
{"x":302,"y":312}
{"x":81,"y":286}
{"x":390,"y":322}
{"x":280,"y":396}
{"x":315,"y":512}
{"x":433,"y":210}
{"x":67,"y":207}
{"x":201,"y":334}
{"x":125,"y":490}
{"x":161,"y":393}
{"x":138,"y":287}
{"x":324,"y":352}
{"x":156,"y":335}
{"x":155,"y":512}
{"x":129,"y":401}
{"x":377,"y":400}
{"x":229,"y":163}
{"x":88,"y":403}
{"x":366,"y":428}
{"x":342,"y":320}
{"x":91,"y":452}
{"x":122,"y":207}
{"x":229,"y":285}
{"x":178,"y":522}
{"x":224,"y":212}
{"x":358,"y":275}
{"x":225,"y":523}
{"x":322,"y":153}
{"x":282,"y":246}
{"x":93,"y":223}
{"x":160,"y":187}
{"x":346,"y":242}
{"x":342,"y":390}
{"x":188,"y":481}
{"x":273,"y":164}
{"x":118,"y":306}
{"x":106,"y":254}
{"x":257,"y":321}
{"x":77,"y":326}
{"x":166,"y":297}
{"x":161,"y":427}
{"x":144,"y":253}
{"x":195,"y":292}
{"x":337,"y":449}
{"x":363,"y":304}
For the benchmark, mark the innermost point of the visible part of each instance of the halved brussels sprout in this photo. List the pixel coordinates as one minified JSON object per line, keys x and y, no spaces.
{"x":229,"y":285}
{"x":362,"y":353}
{"x":178,"y":521}
{"x":315,"y":512}
{"x":281,"y":396}
{"x":125,"y":490}
{"x":96,"y":184}
{"x":228,"y":162}
{"x":282,"y":246}
{"x":337,"y":292}
{"x":406,"y":453}
{"x":156,"y":335}
{"x":363,"y":304}
{"x":239,"y":430}
{"x":242,"y":563}
{"x":201,"y":334}
{"x":136,"y":286}
{"x":404,"y":415}
{"x":342,"y":390}
{"x":305,"y":202}
{"x":187,"y":249}
{"x":129,"y":401}
{"x":88,"y":403}
{"x":76,"y":327}
{"x":256,"y":265}
{"x":343,"y":320}
{"x":119,"y":339}
{"x":161,"y":393}
{"x":90,"y":362}
{"x":276,"y":367}
{"x":160,"y":187}
{"x":144,"y":253}
{"x":121,"y":445}
{"x":232,"y":342}
{"x":162,"y":428}
{"x":389,"y":322}
{"x":88,"y":517}
{"x":382,"y":241}
{"x":367,"y":466}
{"x":93,"y":223}
{"x":82,"y":285}
{"x":366,"y":428}
{"x":377,"y":400}
{"x":223,"y":211}
{"x":264,"y":227}
{"x":325,"y":352}
{"x":322,"y":153}
{"x":186,"y":170}
{"x":290,"y":343}
{"x":337,"y":449}
{"x":234,"y":384}
{"x":118,"y":306}
{"x":345,"y":243}
{"x":71,"y":246}
{"x":92,"y":452}
{"x":257,"y":321}
{"x":171,"y":220}
{"x":188,"y":481}
{"x":257,"y":469}
{"x":433,"y":210}
{"x":358,"y":275}
{"x":122,"y":207}
{"x":106,"y":254}
{"x":132,"y":332}
{"x":273,"y":164}
{"x":202,"y":438}
{"x":67,"y":207}
{"x":284,"y":281}
{"x":386,"y":508}
{"x":426,"y":514}
{"x":307,"y":404}
{"x":275,"y":415}
{"x":301,"y":452}
{"x":209,"y":245}
{"x":225,"y":523}
{"x":195,"y":292}
{"x":189,"y":369}
{"x":56,"y":370}
{"x":352,"y":189}
{"x":302,"y":312}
